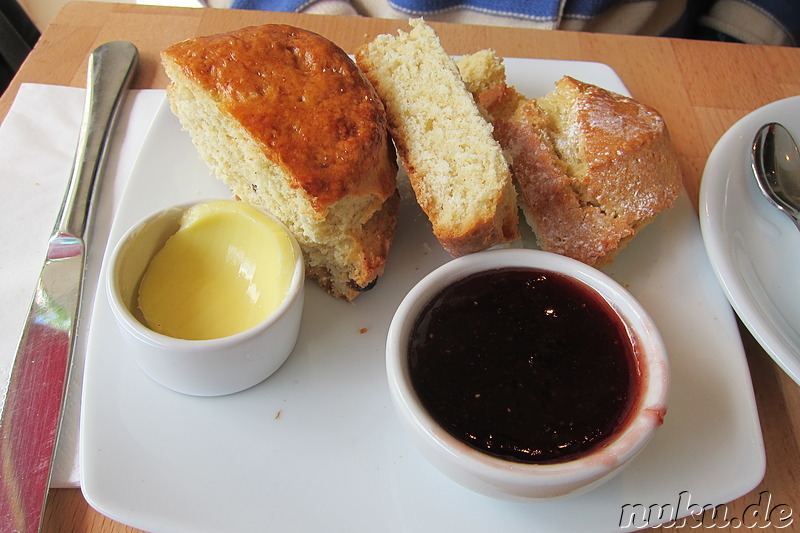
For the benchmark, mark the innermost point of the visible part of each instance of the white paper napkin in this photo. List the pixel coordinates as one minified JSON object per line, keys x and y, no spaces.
{"x":37,"y":144}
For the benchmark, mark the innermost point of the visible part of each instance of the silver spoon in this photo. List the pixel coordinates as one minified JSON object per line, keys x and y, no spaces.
{"x":776,"y":164}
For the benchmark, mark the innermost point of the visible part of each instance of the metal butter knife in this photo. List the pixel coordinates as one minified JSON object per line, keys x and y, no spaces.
{"x":34,"y":402}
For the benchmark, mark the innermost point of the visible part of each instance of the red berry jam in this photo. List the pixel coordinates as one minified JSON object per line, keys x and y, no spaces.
{"x":525,"y":365}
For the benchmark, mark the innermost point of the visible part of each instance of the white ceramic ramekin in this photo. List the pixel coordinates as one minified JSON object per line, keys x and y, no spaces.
{"x":212,"y":367}
{"x":506,"y":479}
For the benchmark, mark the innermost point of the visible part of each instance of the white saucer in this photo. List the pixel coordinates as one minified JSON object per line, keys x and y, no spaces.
{"x":753,"y":247}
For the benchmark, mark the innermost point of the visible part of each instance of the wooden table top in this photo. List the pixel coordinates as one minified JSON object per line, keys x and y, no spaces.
{"x":701,"y":89}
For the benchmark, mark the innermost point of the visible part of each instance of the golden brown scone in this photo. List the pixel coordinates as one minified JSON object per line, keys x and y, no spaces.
{"x":285,"y":118}
{"x":456,"y":168}
{"x":592,"y":167}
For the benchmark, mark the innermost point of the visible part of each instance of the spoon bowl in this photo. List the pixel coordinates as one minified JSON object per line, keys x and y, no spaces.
{"x":776,"y":164}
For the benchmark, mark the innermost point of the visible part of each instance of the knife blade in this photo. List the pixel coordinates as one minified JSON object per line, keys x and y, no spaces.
{"x":37,"y":385}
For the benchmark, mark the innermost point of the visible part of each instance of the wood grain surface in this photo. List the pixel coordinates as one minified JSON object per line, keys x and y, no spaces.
{"x":701,"y":89}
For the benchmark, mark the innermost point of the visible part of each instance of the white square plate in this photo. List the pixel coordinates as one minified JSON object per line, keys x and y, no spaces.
{"x":317,"y":446}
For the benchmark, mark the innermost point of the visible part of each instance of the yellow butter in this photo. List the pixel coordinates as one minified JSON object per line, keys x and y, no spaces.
{"x":226,"y":269}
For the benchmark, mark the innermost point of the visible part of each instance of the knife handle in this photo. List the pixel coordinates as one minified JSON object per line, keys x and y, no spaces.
{"x":110,"y":70}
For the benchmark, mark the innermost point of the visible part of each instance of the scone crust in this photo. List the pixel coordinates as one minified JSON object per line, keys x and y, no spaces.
{"x":304,"y":100}
{"x":622,"y":171}
{"x":629,"y":148}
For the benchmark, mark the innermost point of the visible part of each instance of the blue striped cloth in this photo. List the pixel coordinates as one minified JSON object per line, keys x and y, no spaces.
{"x":539,"y":10}
{"x":534,"y":10}
{"x":283,"y":6}
{"x":757,"y":21}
